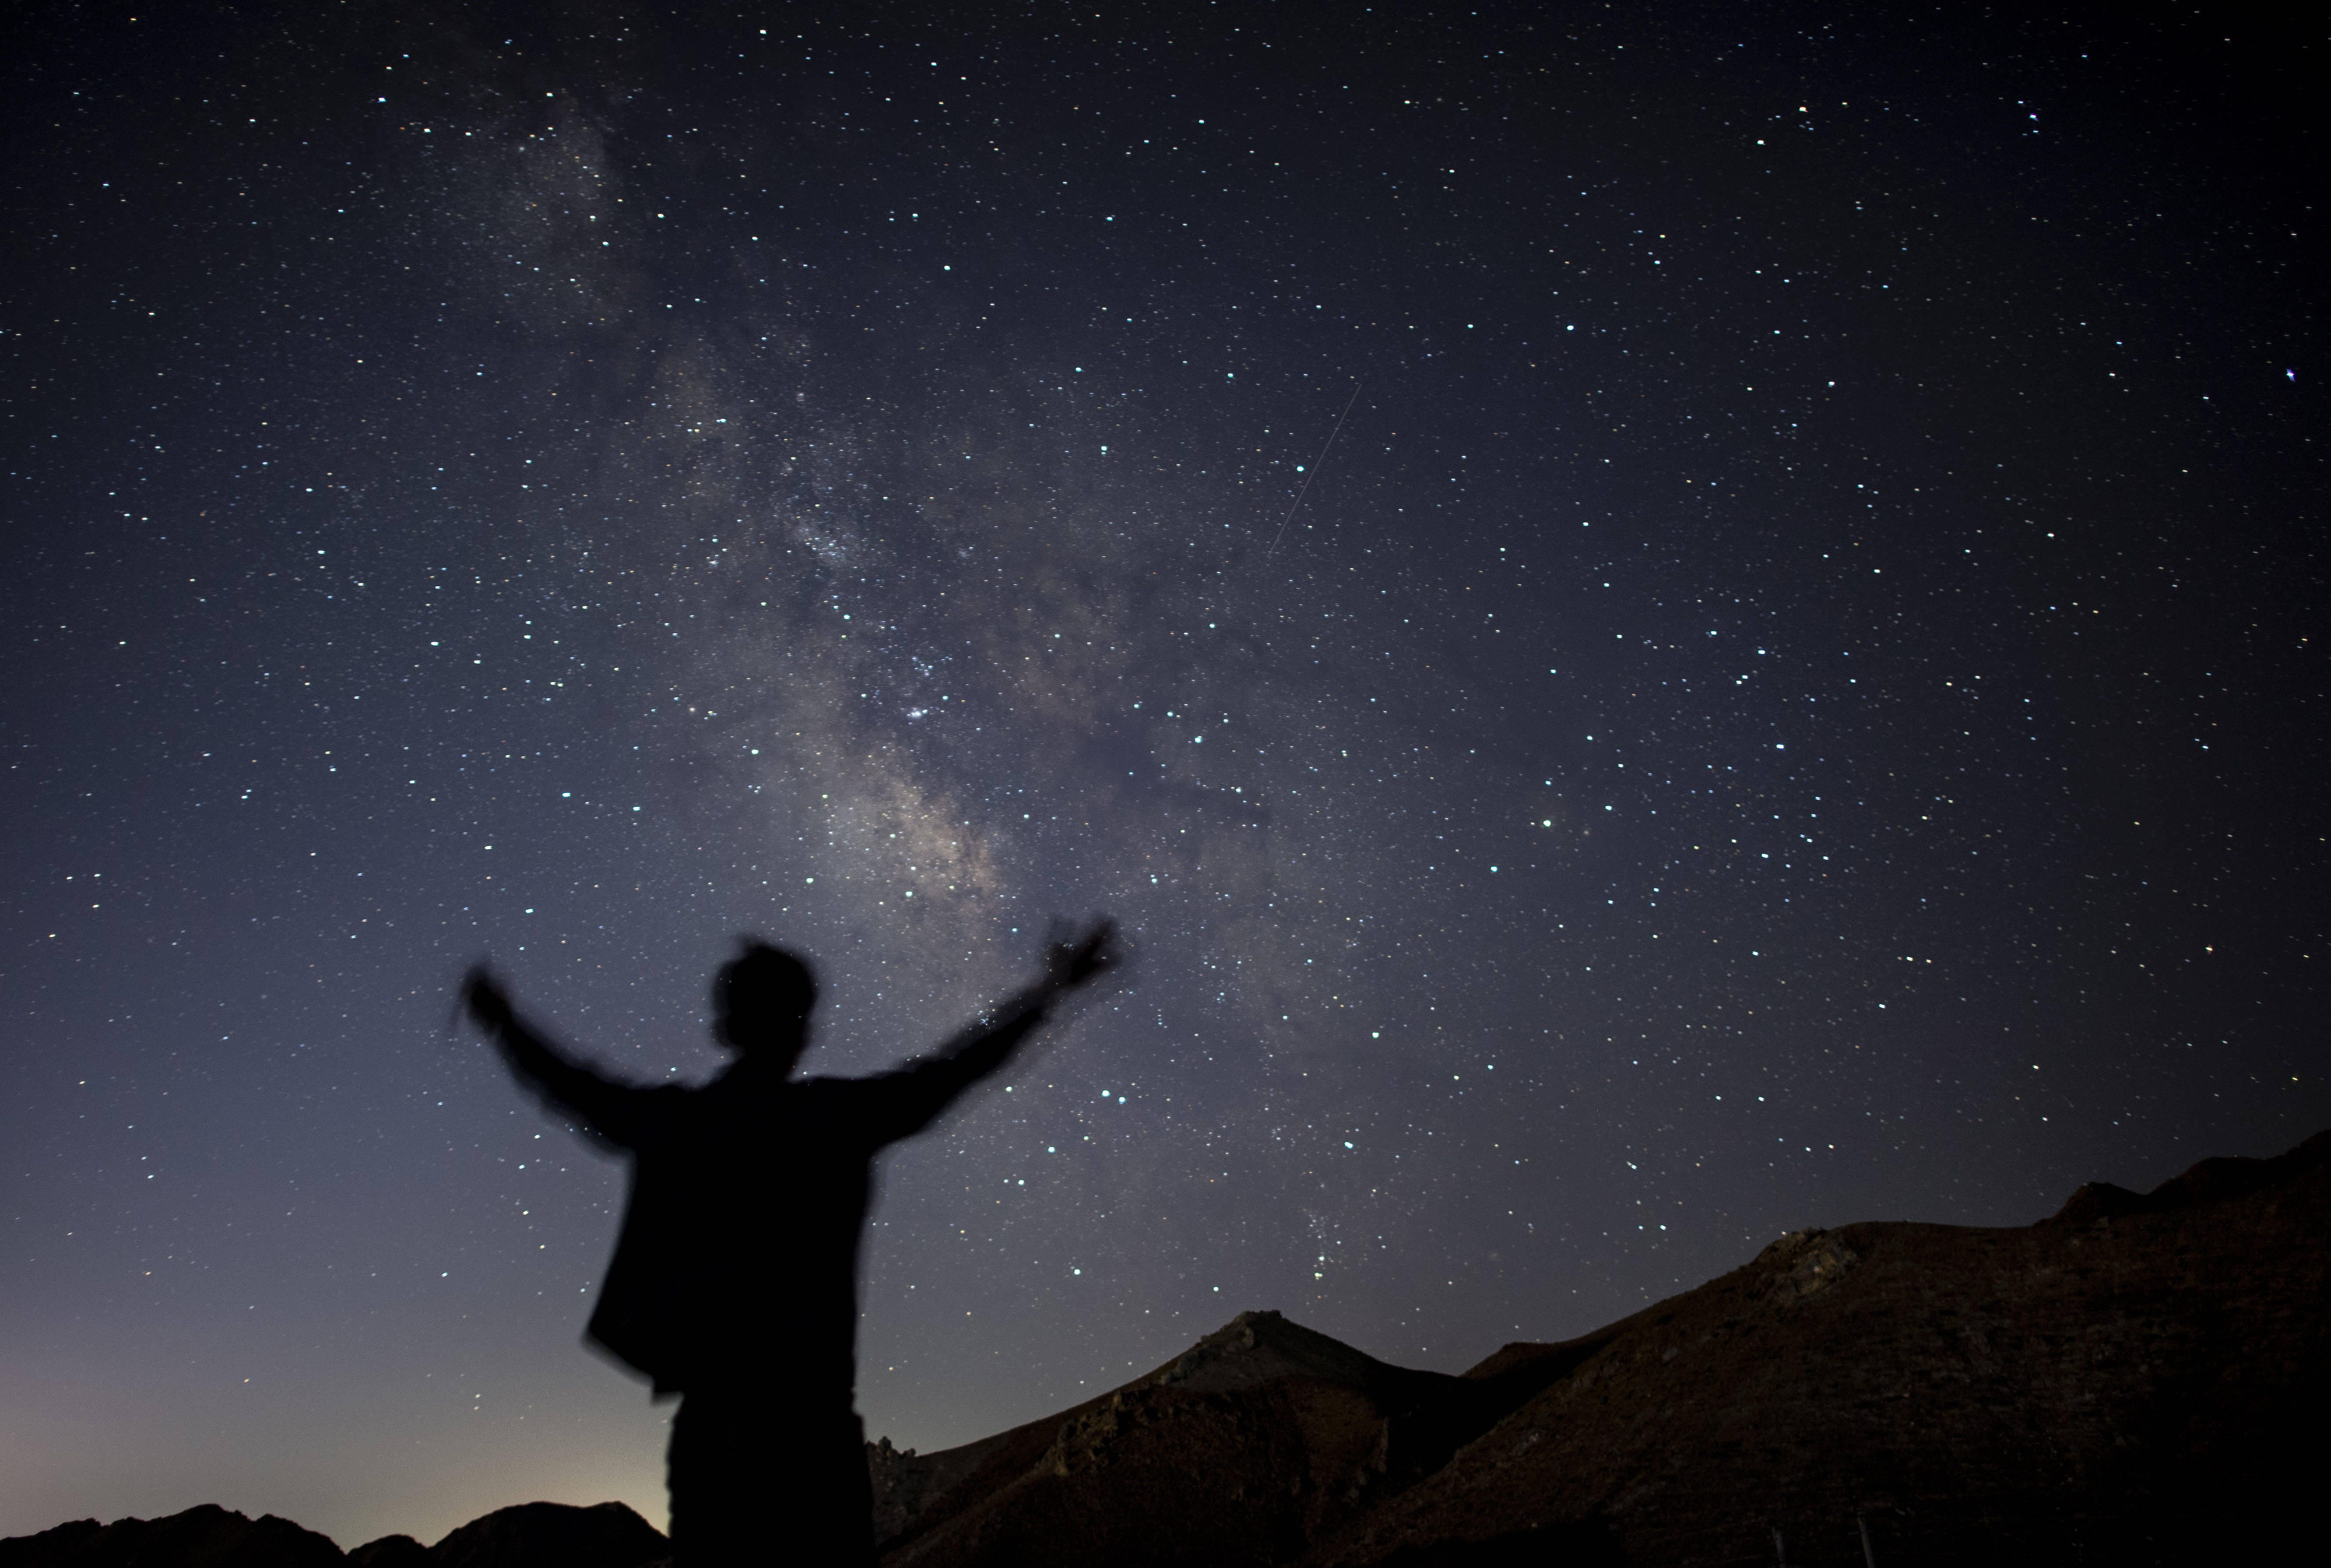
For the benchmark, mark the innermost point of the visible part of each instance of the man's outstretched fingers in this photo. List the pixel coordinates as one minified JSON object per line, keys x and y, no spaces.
{"x":1096,"y":952}
{"x":485,"y":999}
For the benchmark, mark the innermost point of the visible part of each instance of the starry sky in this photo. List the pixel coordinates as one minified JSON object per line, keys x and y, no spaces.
{"x":1663,"y":624}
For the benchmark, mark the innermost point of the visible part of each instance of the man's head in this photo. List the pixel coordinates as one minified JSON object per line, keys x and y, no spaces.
{"x":761,"y":1000}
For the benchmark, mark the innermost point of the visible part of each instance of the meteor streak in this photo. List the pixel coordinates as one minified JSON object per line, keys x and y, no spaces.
{"x":1314,"y":474}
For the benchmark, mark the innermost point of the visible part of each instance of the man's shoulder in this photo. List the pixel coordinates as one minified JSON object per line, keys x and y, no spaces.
{"x":877,"y":1094}
{"x":797,"y":1097}
{"x":653,"y":1112}
{"x":813,"y":1089}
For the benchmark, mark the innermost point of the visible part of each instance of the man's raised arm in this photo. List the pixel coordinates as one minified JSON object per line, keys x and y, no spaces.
{"x":987,"y":1044}
{"x":607,"y":1109}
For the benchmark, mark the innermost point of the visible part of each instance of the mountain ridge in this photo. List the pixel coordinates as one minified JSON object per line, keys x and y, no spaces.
{"x":2106,"y":1384}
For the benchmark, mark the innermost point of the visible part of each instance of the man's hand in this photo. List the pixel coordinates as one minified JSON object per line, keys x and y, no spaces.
{"x":1072,"y":961}
{"x":488,"y":1003}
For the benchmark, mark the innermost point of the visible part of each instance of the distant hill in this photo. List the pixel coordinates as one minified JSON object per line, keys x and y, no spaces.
{"x":529,"y":1535}
{"x":204,"y":1537}
{"x":2136,"y":1380}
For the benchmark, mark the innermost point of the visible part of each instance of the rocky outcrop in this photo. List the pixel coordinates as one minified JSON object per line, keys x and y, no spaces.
{"x":1258,"y":1437}
{"x":2205,"y":1181}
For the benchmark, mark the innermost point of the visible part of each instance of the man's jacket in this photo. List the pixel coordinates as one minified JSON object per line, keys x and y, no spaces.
{"x":738,"y":1253}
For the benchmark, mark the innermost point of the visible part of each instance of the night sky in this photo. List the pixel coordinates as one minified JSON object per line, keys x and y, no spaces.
{"x":1794,"y":693}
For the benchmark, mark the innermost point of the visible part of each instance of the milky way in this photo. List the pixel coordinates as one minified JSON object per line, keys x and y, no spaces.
{"x":1787,"y":699}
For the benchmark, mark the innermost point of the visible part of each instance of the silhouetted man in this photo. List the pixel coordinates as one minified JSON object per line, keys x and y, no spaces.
{"x":735,"y":1279}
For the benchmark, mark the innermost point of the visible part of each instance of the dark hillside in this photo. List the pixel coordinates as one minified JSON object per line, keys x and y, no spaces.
{"x":2114,"y":1384}
{"x":2101,"y":1387}
{"x":2137,"y":1379}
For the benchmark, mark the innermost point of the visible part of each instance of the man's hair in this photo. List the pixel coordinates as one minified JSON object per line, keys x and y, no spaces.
{"x":770,"y":977}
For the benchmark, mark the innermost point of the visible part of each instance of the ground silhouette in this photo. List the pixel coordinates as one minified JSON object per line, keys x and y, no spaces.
{"x":208,"y":1536}
{"x":528,"y":1536}
{"x":2119,"y":1382}
{"x":2135,"y":1379}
